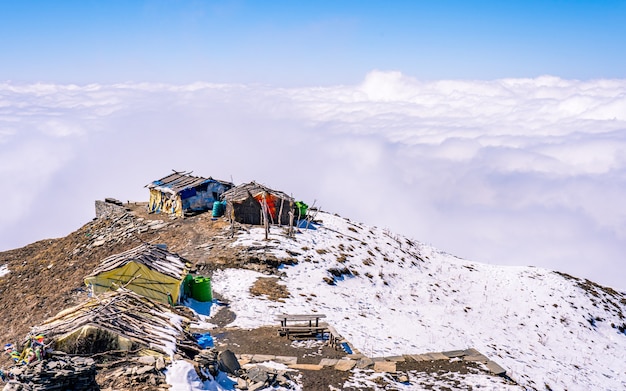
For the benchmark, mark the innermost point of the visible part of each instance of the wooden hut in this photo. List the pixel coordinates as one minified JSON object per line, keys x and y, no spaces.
{"x":116,"y":320}
{"x":180,"y":193}
{"x":148,"y":270}
{"x":246,"y":203}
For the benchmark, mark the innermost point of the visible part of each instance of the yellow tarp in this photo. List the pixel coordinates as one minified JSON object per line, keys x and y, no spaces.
{"x":155,"y":201}
{"x":145,"y":281}
{"x":160,"y":202}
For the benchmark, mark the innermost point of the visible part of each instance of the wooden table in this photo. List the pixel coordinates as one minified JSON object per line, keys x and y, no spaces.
{"x":302,"y":325}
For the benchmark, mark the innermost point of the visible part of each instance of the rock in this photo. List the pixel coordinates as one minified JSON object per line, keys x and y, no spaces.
{"x":385,"y":366}
{"x":207,"y":358}
{"x":345,"y":365}
{"x":145,"y":369}
{"x":328,"y":362}
{"x":56,"y":373}
{"x":256,"y":386}
{"x":257,"y":374}
{"x":306,"y":367}
{"x":287,"y":360}
{"x":147,"y":360}
{"x":241,"y":384}
{"x":419,"y":357}
{"x":228,"y":362}
{"x":15,"y":386}
{"x":160,"y":364}
{"x":436,"y":356}
{"x":454,"y":353}
{"x":262,"y":358}
{"x":281,"y":380}
{"x":495,"y":368}
{"x":364,"y":363}
{"x":476,"y":358}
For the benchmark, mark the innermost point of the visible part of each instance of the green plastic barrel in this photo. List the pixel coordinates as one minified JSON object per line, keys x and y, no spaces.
{"x":302,"y":208}
{"x":201,"y":288}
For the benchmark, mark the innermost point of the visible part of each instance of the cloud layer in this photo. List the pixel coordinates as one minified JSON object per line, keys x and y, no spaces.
{"x":510,"y":171}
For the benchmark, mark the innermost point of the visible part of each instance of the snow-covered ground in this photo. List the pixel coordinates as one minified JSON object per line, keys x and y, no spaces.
{"x":426,"y":381}
{"x":396,"y":296}
{"x":182,"y":376}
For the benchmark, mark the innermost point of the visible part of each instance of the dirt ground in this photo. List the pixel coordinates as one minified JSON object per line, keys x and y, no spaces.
{"x":265,"y":340}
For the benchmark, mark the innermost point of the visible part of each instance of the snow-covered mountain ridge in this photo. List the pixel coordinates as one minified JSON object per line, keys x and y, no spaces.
{"x":389,"y":295}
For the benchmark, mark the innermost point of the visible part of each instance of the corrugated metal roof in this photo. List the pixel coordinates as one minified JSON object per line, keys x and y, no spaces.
{"x":179,"y":181}
{"x":153,"y":257}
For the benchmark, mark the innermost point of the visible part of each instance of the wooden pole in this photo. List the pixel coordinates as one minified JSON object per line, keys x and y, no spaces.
{"x":280,"y":212}
{"x":290,"y":230}
{"x":264,"y":218}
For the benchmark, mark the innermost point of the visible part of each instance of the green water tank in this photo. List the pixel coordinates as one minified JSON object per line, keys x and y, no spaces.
{"x":201,"y":289}
{"x":302,"y":208}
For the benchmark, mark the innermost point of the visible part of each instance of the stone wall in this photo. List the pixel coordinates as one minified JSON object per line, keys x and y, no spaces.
{"x":109,"y":207}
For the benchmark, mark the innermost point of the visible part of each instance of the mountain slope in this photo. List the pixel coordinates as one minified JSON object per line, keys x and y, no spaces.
{"x":392,"y":296}
{"x":386,"y":294}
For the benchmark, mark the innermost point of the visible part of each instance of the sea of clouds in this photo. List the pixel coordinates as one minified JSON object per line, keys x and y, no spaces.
{"x":509,"y":171}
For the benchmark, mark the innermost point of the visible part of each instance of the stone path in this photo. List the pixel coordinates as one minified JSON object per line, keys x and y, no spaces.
{"x":378,"y":364}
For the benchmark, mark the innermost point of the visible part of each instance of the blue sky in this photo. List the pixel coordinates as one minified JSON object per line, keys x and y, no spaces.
{"x":495,"y":131}
{"x":308,"y":43}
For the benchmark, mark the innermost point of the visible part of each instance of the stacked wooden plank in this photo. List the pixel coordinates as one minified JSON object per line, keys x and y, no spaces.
{"x":122,"y":313}
{"x":156,"y":258}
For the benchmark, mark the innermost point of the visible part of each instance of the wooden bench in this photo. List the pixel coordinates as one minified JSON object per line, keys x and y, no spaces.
{"x":302,"y":326}
{"x":334,"y":338}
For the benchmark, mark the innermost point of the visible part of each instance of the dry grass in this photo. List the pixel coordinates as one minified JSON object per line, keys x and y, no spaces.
{"x":270,"y":288}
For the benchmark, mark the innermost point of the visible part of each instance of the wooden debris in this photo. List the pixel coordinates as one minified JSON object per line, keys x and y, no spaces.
{"x":124,"y":319}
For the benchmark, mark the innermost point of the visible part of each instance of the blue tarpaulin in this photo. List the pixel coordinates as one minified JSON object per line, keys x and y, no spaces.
{"x":204,"y":340}
{"x":186,"y":193}
{"x":306,"y":225}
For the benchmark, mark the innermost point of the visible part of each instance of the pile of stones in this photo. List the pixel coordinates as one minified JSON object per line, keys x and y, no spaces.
{"x":136,"y":373}
{"x":206,"y":363}
{"x":258,"y":377}
{"x":253,"y":377}
{"x":56,"y":373}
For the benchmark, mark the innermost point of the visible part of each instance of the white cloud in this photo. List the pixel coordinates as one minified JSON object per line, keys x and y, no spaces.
{"x":511,"y":171}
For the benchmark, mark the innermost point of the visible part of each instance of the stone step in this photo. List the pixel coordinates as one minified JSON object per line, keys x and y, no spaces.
{"x":385,"y":366}
{"x":306,"y":367}
{"x":495,"y":368}
{"x":345,"y":365}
